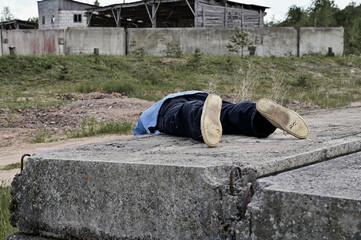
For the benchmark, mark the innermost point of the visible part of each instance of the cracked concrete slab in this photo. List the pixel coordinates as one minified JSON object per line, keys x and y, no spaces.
{"x":164,"y":187}
{"x":321,"y":201}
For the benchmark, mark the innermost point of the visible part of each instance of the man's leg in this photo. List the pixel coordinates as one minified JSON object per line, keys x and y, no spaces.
{"x":196,"y":116}
{"x":261,"y":119}
{"x":243,"y":118}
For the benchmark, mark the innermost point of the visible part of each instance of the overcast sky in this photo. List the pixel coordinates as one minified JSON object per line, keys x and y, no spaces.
{"x":24,"y":9}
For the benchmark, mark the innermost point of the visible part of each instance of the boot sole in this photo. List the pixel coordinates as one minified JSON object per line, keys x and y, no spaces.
{"x":283,"y":118}
{"x":211,"y":126}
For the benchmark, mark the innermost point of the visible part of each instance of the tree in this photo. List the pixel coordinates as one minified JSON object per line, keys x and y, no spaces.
{"x":296,"y":17}
{"x":33,"y":20}
{"x":6,"y":15}
{"x":350,"y":19}
{"x":322,"y":13}
{"x":96,"y":3}
{"x":239,"y":40}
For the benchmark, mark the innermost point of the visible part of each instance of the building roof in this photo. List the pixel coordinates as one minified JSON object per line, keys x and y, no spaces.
{"x":91,"y":5}
{"x":137,"y":3}
{"x":18,"y":24}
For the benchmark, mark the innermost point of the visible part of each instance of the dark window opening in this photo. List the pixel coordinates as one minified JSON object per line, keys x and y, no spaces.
{"x":77,"y":17}
{"x":43,"y":19}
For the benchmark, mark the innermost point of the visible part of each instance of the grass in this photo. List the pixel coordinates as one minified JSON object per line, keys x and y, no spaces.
{"x":5,"y":227}
{"x":27,"y":81}
{"x":91,"y":127}
{"x":88,"y":128}
{"x":11,"y":166}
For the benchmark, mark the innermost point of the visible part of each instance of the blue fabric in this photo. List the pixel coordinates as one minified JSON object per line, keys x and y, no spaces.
{"x":148,"y":119}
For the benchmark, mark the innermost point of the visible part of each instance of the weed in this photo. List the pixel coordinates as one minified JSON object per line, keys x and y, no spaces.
{"x":305,"y":81}
{"x":173,"y":50}
{"x":42,"y":137}
{"x":11,"y":166}
{"x":279,"y":88}
{"x":91,"y":127}
{"x":246,"y":82}
{"x":118,"y":86}
{"x":195,"y":59}
{"x":5,"y":227}
{"x":140,"y":51}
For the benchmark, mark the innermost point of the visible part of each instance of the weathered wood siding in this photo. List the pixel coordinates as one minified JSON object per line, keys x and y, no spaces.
{"x":220,"y":14}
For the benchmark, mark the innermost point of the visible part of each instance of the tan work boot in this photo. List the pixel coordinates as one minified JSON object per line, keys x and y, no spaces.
{"x":283,"y":118}
{"x":211,"y":126}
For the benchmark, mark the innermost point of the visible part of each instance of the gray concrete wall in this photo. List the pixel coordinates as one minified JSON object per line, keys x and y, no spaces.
{"x":316,"y":41}
{"x":213,"y":41}
{"x":33,"y":42}
{"x":60,"y":42}
{"x":84,"y":40}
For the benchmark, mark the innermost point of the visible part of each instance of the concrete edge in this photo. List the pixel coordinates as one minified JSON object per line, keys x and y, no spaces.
{"x":319,"y":155}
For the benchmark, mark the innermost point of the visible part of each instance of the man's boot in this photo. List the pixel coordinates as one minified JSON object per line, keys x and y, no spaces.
{"x":283,"y":118}
{"x":211,"y":126}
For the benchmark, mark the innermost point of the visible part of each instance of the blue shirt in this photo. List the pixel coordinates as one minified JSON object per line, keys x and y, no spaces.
{"x":148,"y":119}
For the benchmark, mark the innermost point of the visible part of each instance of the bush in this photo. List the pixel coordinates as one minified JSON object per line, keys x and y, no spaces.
{"x":173,"y":50}
{"x":305,"y":80}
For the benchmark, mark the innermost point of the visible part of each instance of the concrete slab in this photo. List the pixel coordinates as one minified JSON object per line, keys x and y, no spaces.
{"x":322,"y":201}
{"x":163,"y":187}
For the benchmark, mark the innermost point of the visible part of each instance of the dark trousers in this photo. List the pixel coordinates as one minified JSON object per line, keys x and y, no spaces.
{"x":181,"y":116}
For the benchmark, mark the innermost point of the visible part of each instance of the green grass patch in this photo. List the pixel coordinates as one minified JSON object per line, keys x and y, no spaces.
{"x":11,"y":166}
{"x":90,"y":127}
{"x":27,"y":81}
{"x":5,"y":227}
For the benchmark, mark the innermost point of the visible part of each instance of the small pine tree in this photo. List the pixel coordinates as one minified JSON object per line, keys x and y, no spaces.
{"x":96,"y":3}
{"x":239,"y":41}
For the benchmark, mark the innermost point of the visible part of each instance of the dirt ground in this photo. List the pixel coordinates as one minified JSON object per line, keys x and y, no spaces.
{"x":24,"y":125}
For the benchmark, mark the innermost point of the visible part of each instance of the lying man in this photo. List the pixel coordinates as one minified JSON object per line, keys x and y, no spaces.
{"x":205,"y":117}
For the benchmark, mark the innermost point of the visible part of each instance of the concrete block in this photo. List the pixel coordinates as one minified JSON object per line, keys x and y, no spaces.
{"x":317,"y":41}
{"x":322,"y":201}
{"x":213,"y":41}
{"x":84,"y":40}
{"x":37,"y":42}
{"x":164,"y":187}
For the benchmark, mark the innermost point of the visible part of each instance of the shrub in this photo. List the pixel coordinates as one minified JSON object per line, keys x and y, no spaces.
{"x":173,"y":50}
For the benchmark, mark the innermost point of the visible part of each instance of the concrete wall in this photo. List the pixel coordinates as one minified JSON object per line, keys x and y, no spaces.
{"x":210,"y":41}
{"x":318,"y":40}
{"x":213,"y":41}
{"x":84,"y":40}
{"x":60,"y":42}
{"x":33,"y":42}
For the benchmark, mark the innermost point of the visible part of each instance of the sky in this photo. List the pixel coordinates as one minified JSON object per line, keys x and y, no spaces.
{"x":25,"y":9}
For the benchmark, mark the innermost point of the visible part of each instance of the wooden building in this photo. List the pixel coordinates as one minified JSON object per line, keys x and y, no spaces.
{"x":177,"y":13}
